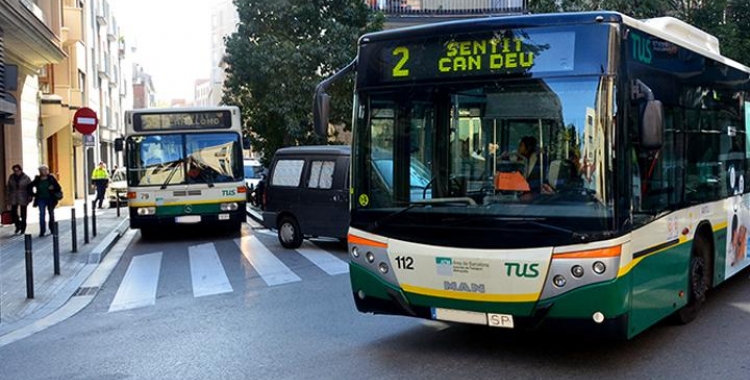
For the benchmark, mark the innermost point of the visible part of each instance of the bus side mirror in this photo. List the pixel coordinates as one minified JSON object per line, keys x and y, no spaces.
{"x":119,"y":144}
{"x":245,"y":142}
{"x":652,"y":125}
{"x":321,"y":110}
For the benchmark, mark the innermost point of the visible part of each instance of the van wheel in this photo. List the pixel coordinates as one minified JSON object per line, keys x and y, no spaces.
{"x":290,"y":236}
{"x":699,"y":280}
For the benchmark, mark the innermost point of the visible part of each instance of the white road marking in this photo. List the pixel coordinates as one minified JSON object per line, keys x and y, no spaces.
{"x":271,"y":269}
{"x":138,"y":287}
{"x":207,"y":273}
{"x":323,"y":259}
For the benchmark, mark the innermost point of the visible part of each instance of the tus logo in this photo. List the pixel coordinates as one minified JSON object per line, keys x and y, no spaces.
{"x":444,"y":266}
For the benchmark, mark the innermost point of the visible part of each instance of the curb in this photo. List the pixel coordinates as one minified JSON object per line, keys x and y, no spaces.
{"x":96,"y":255}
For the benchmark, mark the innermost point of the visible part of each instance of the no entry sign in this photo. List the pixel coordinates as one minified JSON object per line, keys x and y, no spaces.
{"x":85,"y":121}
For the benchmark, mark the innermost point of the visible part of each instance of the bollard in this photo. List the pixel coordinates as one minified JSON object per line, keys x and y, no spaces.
{"x":85,"y":223}
{"x":29,"y":268}
{"x":73,"y":229}
{"x":56,"y":247}
{"x":117,"y":202}
{"x":93,"y":219}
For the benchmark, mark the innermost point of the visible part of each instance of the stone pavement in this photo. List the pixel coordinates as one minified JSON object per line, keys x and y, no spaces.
{"x":52,"y":291}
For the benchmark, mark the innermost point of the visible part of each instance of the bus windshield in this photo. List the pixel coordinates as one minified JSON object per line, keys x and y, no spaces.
{"x":184,"y":158}
{"x":489,"y":155}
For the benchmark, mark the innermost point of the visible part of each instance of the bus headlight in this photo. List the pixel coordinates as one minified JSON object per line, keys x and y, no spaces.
{"x":146,"y":211}
{"x":355,"y":252}
{"x":599,"y":267}
{"x":577,"y":271}
{"x":229,"y":206}
{"x":559,"y":281}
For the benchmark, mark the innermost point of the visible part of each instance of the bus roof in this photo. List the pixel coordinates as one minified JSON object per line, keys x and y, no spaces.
{"x":666,"y":28}
{"x":182,"y":109}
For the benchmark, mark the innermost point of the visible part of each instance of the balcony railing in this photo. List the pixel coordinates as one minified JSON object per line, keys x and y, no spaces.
{"x":447,"y":7}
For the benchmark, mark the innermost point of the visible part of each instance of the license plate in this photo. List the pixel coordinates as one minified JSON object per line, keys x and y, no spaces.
{"x":223,"y":216}
{"x":188,"y":219}
{"x":463,"y":316}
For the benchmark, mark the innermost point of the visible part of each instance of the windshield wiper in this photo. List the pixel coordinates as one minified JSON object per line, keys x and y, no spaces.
{"x":382,"y":221}
{"x":171,"y":174}
{"x":550,"y":227}
{"x":207,"y":178}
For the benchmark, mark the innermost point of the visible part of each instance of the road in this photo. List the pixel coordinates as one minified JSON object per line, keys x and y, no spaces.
{"x":254,"y":310}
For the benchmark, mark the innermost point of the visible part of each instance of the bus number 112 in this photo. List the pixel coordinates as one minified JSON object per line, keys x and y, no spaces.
{"x":405,"y":262}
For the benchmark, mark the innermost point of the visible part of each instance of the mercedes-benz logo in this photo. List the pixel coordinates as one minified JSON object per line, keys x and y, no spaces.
{"x":188,"y":209}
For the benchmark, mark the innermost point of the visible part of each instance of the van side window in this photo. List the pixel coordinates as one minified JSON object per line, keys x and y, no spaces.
{"x":287,"y":173}
{"x":321,"y":174}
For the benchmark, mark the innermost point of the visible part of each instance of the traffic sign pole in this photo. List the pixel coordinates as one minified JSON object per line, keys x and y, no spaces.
{"x":85,"y":121}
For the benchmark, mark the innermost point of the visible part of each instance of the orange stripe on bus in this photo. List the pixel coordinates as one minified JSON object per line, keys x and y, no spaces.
{"x":358,"y":240}
{"x":604,"y":252}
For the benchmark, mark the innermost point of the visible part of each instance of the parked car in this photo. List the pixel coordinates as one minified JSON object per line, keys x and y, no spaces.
{"x":118,"y":188}
{"x":253,"y":172}
{"x":307,"y":193}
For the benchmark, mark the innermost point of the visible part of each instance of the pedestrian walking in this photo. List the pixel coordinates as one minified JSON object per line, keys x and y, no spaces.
{"x":18,"y":197}
{"x":46,"y":192}
{"x":100,"y":179}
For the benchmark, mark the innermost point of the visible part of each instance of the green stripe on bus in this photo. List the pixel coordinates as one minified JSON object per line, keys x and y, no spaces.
{"x":195,"y":209}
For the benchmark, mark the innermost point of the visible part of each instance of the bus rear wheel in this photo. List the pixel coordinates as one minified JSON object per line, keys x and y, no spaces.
{"x":290,"y":236}
{"x":699,"y":280}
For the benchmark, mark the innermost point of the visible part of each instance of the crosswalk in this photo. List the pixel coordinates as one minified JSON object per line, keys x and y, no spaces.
{"x":208,"y":275}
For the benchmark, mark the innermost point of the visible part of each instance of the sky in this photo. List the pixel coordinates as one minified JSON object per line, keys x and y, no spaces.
{"x":173,"y":41}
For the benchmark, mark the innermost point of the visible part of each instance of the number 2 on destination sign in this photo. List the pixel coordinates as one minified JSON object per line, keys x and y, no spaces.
{"x":399,"y":70}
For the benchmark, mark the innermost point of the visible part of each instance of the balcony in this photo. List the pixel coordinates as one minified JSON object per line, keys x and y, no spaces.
{"x":102,"y":13}
{"x":72,"y":25}
{"x":105,"y":71}
{"x":447,"y":8}
{"x":112,"y":31}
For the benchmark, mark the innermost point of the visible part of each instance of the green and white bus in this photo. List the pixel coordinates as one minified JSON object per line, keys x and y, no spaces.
{"x":184,"y":166}
{"x":625,"y":205}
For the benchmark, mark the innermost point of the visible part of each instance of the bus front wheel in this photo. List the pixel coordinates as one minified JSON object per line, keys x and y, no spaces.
{"x":699,"y":280}
{"x":290,"y":236}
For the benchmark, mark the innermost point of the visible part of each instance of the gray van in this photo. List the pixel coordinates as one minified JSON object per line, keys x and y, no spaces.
{"x":307,"y":194}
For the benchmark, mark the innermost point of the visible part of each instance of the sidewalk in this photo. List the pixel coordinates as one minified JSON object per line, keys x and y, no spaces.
{"x":51,"y":291}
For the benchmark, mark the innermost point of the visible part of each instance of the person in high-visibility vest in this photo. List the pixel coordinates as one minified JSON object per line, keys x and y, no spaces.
{"x":100,"y":179}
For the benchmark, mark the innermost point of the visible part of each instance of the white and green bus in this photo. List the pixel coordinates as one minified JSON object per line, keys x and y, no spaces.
{"x":184,"y":167}
{"x":625,"y":205}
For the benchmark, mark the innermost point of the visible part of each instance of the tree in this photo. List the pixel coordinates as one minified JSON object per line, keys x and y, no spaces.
{"x":282,"y":49}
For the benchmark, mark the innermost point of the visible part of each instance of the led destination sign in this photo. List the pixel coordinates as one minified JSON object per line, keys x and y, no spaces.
{"x":181,"y":120}
{"x":499,"y":52}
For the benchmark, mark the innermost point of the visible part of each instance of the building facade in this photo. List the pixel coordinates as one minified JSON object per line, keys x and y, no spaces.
{"x":144,"y":94}
{"x":30,"y":40}
{"x":63,"y":52}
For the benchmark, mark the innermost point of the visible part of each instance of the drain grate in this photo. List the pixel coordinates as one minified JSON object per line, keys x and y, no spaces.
{"x":86,"y":291}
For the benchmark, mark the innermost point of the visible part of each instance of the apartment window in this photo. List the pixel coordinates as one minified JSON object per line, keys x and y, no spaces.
{"x":47,"y":79}
{"x":82,"y":85}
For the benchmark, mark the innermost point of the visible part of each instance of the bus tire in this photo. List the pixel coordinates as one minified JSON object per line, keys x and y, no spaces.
{"x":290,"y":235}
{"x":699,"y":281}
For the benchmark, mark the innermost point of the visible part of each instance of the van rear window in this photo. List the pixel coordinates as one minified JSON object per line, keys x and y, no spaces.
{"x":287,"y":173}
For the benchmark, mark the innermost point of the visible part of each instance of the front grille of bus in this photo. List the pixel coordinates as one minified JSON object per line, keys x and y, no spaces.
{"x":182,"y":193}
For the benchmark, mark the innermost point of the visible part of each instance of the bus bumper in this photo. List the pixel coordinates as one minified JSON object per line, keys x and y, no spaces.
{"x":562,"y":314}
{"x":228,"y":218}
